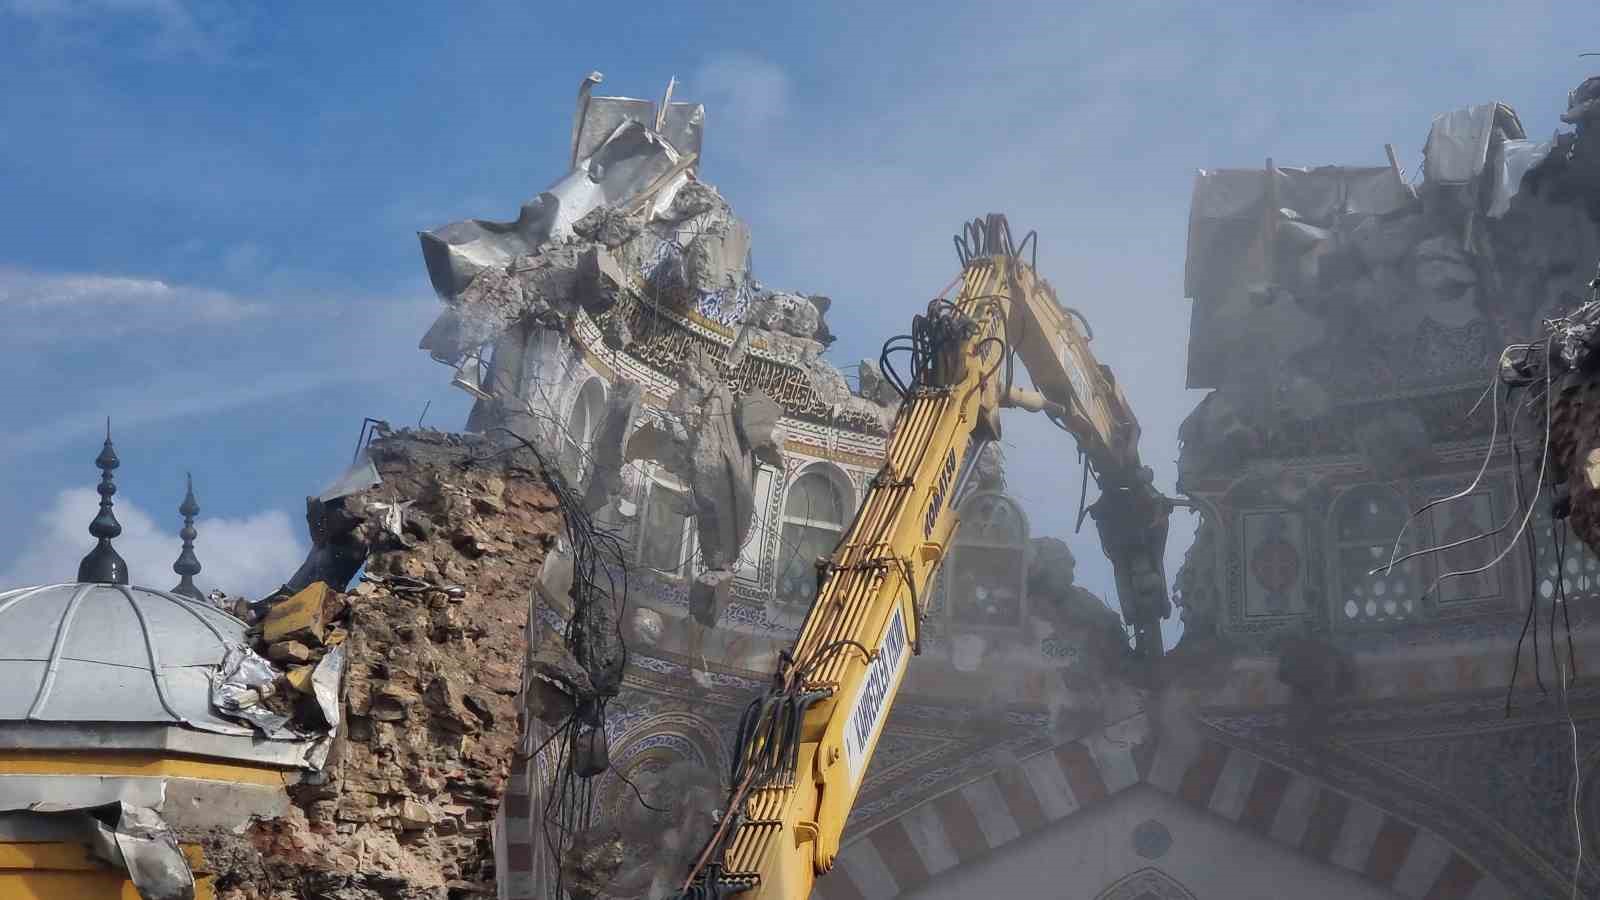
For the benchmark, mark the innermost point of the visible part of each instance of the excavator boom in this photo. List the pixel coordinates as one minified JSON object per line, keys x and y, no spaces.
{"x":803,"y":747}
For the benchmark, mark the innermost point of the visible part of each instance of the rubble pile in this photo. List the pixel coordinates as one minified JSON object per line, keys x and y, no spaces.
{"x":642,"y":846}
{"x":434,"y":633}
{"x":1357,"y":312}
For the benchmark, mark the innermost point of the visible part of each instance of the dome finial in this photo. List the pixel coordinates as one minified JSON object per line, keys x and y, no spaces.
{"x":188,"y":565}
{"x":103,"y":565}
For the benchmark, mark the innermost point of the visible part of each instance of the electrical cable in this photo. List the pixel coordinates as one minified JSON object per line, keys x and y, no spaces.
{"x":1531,"y":618}
{"x":1494,"y":434}
{"x":1559,"y":536}
{"x":1538,"y":485}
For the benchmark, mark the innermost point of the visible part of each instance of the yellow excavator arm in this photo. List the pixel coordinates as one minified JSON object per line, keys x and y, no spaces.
{"x":804,"y":745}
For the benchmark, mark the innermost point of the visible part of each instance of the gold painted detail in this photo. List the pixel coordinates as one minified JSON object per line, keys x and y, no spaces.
{"x":66,"y":871}
{"x":662,"y":341}
{"x":100,"y":763}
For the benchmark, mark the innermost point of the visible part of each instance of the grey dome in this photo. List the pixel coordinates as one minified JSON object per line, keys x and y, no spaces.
{"x":113,"y":654}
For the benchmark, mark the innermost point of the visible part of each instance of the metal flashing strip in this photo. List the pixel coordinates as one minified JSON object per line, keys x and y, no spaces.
{"x":160,"y":740}
{"x":15,"y":764}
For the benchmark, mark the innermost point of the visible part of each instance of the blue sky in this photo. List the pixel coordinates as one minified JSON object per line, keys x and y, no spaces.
{"x":212,"y":207}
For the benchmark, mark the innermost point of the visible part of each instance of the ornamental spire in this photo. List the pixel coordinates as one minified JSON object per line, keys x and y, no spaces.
{"x":188,"y":565}
{"x":103,"y":565}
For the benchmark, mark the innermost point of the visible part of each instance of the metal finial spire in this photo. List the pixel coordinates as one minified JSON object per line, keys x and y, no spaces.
{"x":188,"y":565}
{"x":103,"y":565}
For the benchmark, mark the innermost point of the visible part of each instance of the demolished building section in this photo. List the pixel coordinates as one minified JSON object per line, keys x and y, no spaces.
{"x":424,"y":709}
{"x":348,"y":737}
{"x":434,"y":630}
{"x":1350,"y":324}
{"x":134,"y":724}
{"x":618,"y":324}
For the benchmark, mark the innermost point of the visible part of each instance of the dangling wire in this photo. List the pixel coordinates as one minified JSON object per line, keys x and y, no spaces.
{"x":1544,"y":461}
{"x":1559,"y":536}
{"x":1530,"y":618}
{"x":1531,"y":501}
{"x":1516,"y":416}
{"x":1494,"y":435}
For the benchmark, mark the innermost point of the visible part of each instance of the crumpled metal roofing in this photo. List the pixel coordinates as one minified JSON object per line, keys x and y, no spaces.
{"x":113,"y":654}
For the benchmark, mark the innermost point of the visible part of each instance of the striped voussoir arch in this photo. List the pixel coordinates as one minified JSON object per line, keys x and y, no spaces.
{"x":1302,"y":813}
{"x":521,"y":857}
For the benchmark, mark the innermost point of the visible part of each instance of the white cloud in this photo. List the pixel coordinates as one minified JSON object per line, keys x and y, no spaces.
{"x":249,"y":556}
{"x":174,"y":395}
{"x":47,"y":306}
{"x":321,"y":336}
{"x":175,"y":31}
{"x":745,"y":96}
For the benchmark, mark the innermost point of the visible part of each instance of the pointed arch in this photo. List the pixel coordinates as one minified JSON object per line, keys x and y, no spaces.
{"x":1291,"y":809}
{"x":1148,"y":883}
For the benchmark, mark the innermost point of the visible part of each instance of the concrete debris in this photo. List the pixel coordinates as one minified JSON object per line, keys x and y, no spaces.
{"x":875,"y":387}
{"x":692,"y":200}
{"x":646,"y":626}
{"x":1340,"y":314}
{"x":592,"y":862}
{"x":757,"y":423}
{"x":1358,"y":287}
{"x":632,"y":165}
{"x":1583,"y":104}
{"x":714,"y":260}
{"x":338,"y":546}
{"x":989,"y":473}
{"x":607,"y":457}
{"x":612,"y":227}
{"x":1195,"y":589}
{"x":289,"y":652}
{"x":601,"y":281}
{"x":657,"y":834}
{"x":1072,"y":610}
{"x":669,"y":243}
{"x":300,"y":615}
{"x":786,"y":313}
{"x":711,"y":442}
{"x":556,"y":681}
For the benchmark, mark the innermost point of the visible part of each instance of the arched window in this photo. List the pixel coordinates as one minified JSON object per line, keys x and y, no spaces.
{"x":987,"y":572}
{"x":666,"y":534}
{"x":577,"y":439}
{"x":814,"y":516}
{"x":1367,"y":521}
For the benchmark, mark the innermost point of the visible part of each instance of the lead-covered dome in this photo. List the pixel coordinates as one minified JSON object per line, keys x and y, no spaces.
{"x":111,"y":653}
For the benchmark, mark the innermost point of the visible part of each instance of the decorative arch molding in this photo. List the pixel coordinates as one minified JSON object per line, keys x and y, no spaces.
{"x":687,"y":736}
{"x":817,"y":502}
{"x":1148,"y":883}
{"x":983,"y":584}
{"x":1232,"y":783}
{"x":653,"y":762}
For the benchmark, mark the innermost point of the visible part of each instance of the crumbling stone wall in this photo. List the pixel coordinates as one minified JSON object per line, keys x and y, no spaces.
{"x":436,"y":644}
